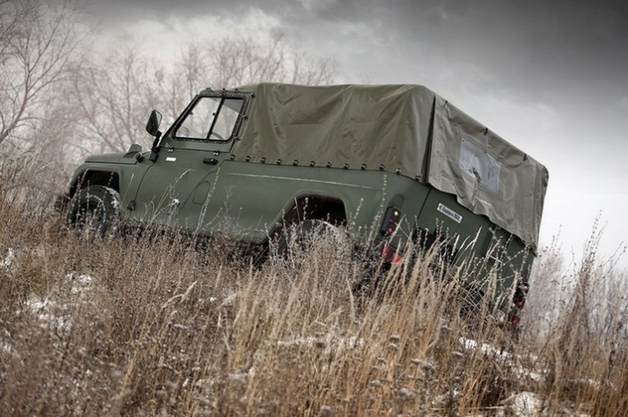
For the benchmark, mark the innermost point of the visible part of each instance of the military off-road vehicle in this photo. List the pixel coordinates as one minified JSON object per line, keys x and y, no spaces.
{"x":392,"y":164}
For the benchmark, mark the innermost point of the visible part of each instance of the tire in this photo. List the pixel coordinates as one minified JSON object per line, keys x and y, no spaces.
{"x":94,"y":211}
{"x":299,"y":239}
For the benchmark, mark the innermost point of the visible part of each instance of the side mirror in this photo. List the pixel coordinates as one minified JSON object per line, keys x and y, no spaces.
{"x":152,"y":126}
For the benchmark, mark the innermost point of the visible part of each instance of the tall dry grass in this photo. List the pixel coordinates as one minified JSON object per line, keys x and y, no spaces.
{"x":153,"y":324}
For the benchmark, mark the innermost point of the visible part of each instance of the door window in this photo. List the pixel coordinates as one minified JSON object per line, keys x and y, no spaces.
{"x":211,"y":118}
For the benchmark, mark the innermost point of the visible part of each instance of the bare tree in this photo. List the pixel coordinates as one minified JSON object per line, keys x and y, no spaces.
{"x":37,"y":42}
{"x":113,"y":96}
{"x":232,"y":62}
{"x":115,"y":93}
{"x":64,"y":102}
{"x":175,"y":88}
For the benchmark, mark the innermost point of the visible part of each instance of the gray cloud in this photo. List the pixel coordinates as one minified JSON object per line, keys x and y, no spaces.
{"x":552,"y":43}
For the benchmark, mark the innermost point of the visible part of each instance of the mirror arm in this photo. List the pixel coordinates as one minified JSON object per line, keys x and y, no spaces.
{"x":154,"y":150}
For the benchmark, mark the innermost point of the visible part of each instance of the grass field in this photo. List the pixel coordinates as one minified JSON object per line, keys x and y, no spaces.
{"x":147,"y":324}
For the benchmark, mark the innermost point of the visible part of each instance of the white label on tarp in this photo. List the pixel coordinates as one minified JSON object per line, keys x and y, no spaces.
{"x":170,"y":159}
{"x":449,"y":213}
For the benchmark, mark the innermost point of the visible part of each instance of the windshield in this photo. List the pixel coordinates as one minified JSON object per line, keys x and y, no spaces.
{"x":211,"y":118}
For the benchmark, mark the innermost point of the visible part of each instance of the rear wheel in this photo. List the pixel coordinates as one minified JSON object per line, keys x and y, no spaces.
{"x":314,"y":237}
{"x":94,"y":211}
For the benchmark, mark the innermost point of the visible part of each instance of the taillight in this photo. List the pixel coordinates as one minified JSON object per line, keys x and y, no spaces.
{"x":390,"y":255}
{"x":514,"y":321}
{"x":519,"y":298}
{"x":391,"y":221}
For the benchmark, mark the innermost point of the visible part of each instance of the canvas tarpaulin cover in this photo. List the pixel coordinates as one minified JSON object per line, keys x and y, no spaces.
{"x":402,"y":128}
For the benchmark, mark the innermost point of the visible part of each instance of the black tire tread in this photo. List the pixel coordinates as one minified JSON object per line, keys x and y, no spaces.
{"x":95,"y":199}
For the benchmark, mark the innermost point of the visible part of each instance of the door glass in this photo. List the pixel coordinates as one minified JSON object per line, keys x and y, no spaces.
{"x":211,"y":118}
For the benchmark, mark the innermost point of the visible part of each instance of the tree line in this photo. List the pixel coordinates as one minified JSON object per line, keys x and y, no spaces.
{"x":61,"y":99}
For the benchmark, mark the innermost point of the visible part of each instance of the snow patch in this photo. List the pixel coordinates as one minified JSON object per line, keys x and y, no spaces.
{"x":470,"y":344}
{"x":524,"y":404}
{"x":47,"y":312}
{"x":8,"y":259}
{"x":229,"y":300}
{"x":238,"y":378}
{"x":80,"y":282}
{"x":5,"y":346}
{"x":507,"y":357}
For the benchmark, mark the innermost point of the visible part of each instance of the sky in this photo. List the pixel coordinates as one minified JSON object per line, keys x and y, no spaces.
{"x":551,"y":77}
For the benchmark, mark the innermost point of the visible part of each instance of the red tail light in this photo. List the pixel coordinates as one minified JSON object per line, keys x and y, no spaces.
{"x":390,"y":255}
{"x":391,"y":221}
{"x":520,"y":295}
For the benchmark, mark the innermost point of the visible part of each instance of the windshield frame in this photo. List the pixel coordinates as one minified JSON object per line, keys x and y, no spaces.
{"x":223,"y":96}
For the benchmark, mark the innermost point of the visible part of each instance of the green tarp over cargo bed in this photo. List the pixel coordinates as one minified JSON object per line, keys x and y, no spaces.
{"x":400,"y":127}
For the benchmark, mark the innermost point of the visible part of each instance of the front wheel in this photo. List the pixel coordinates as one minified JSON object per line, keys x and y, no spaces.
{"x":94,"y":211}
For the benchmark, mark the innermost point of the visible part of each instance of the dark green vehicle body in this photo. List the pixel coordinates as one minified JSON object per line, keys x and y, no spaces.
{"x":350,"y":155}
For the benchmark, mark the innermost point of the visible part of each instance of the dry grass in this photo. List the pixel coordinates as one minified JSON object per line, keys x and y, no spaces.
{"x":154,"y":325}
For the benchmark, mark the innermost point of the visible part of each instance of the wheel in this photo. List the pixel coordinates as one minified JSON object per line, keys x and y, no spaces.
{"x":94,"y":211}
{"x":313,"y":236}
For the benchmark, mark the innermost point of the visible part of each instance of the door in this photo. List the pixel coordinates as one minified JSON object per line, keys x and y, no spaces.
{"x":176,"y":190}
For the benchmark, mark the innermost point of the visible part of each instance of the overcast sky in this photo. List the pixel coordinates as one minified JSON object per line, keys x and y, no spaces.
{"x":549,"y":76}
